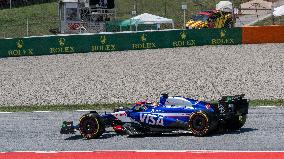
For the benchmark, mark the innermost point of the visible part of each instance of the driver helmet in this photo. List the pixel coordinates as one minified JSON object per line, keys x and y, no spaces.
{"x":155,"y":104}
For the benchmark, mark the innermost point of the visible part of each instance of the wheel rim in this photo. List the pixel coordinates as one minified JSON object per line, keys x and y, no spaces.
{"x":199,"y":123}
{"x":89,"y":126}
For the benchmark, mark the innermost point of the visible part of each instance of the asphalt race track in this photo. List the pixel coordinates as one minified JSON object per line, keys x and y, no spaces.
{"x":39,"y":131}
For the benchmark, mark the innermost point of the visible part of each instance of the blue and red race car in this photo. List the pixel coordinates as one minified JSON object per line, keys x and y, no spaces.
{"x":172,"y":113}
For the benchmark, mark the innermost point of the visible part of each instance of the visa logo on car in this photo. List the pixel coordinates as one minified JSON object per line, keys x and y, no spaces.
{"x":151,"y":119}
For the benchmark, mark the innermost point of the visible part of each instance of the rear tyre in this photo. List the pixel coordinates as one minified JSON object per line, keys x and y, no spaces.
{"x":237,"y":122}
{"x":201,"y":123}
{"x":91,"y":126}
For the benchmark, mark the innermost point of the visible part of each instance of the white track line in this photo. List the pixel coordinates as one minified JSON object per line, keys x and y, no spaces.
{"x":80,"y":151}
{"x":267,"y":106}
{"x":83,"y":110}
{"x":195,"y":151}
{"x":6,"y":112}
{"x":42,"y":111}
{"x":46,"y":151}
{"x":182,"y":151}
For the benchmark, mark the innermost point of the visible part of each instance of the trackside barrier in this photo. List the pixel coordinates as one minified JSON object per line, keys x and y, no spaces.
{"x":83,"y":43}
{"x":263,"y":34}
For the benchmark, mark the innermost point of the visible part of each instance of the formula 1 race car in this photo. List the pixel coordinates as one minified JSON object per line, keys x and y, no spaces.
{"x":171,"y":114}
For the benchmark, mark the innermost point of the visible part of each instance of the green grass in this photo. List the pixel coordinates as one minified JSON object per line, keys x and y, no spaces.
{"x":253,"y":103}
{"x":268,"y":21}
{"x":258,"y":102}
{"x":43,"y":17}
{"x":167,"y":8}
{"x":61,"y":107}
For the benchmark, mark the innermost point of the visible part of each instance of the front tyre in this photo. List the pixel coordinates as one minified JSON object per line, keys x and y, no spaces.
{"x":200,"y":123}
{"x":91,"y":126}
{"x":237,"y":122}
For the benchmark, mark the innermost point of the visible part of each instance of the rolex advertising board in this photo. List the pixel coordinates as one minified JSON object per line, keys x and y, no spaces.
{"x":50,"y":45}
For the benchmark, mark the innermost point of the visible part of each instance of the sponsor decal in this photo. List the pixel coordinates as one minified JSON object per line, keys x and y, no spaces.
{"x":222,"y":40}
{"x":208,"y":106}
{"x":151,"y":119}
{"x":143,"y":38}
{"x":144,"y":44}
{"x":104,"y":45}
{"x":62,"y":47}
{"x":183,"y":41}
{"x":221,"y":108}
{"x":73,"y":26}
{"x":20,"y":50}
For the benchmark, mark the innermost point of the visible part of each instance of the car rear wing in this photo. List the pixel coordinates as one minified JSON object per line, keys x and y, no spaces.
{"x":233,"y":104}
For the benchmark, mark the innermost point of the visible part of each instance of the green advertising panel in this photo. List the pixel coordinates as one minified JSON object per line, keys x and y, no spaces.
{"x":199,"y":37}
{"x":68,"y":44}
{"x":43,"y":46}
{"x":146,"y":40}
{"x":106,"y":42}
{"x":231,"y":36}
{"x":14,"y":47}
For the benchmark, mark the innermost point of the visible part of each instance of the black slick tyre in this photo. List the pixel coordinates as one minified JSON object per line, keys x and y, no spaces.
{"x":201,"y":123}
{"x":91,"y":126}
